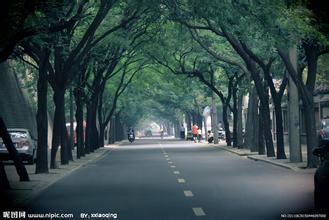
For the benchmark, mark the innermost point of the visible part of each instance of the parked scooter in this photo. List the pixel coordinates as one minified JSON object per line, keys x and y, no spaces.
{"x":221,"y":136}
{"x":210,"y":137}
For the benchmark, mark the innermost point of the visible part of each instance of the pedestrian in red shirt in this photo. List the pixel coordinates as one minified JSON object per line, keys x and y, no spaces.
{"x":195,"y":131}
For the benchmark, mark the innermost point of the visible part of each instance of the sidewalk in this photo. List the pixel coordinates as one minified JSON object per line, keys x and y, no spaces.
{"x":285,"y":163}
{"x":22,"y":192}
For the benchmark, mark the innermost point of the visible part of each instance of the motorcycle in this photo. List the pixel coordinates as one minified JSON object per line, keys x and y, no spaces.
{"x":131,"y":137}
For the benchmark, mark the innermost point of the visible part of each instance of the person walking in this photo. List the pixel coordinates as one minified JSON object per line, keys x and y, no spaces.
{"x":195,"y":132}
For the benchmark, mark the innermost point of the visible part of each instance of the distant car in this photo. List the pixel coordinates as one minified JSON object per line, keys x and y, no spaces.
{"x":189,"y":136}
{"x":24,"y":142}
{"x":324,"y":132}
{"x":148,"y":133}
{"x":321,"y":178}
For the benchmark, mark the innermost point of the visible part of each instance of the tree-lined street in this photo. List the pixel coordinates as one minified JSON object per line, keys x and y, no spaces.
{"x":78,"y":77}
{"x":154,"y":179}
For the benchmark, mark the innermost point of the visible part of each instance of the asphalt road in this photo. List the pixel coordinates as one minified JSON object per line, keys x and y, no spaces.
{"x":153,"y":179}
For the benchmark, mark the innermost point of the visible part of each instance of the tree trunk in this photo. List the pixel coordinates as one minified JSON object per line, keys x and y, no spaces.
{"x":118,"y":129}
{"x":311,"y":51}
{"x":305,"y":91}
{"x":92,"y":133}
{"x":251,"y":134}
{"x":199,"y":121}
{"x":266,"y":116}
{"x":42,"y":116}
{"x":4,"y":183}
{"x":20,"y":168}
{"x":65,"y":149}
{"x":58,"y":126}
{"x":72,"y":130}
{"x":205,"y":127}
{"x":235,"y":117}
{"x":79,"y":119}
{"x":188,"y":121}
{"x":293,"y":114}
{"x":280,"y":151}
{"x":239,"y":123}
{"x":177,"y":129}
{"x":101,"y":135}
{"x":169,"y":129}
{"x":256,"y":131}
{"x":214,"y":120}
{"x":226,"y":125}
{"x":112,"y":130}
{"x":261,"y":145}
{"x":311,"y":137}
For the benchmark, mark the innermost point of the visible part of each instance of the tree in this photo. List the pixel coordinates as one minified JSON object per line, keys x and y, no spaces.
{"x":20,"y":168}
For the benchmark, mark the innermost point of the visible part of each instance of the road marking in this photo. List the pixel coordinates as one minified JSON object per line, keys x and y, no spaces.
{"x":188,"y":193}
{"x":176,"y":172}
{"x":198,"y":211}
{"x":167,"y":158}
{"x":181,"y":180}
{"x":170,"y":162}
{"x":173,"y":166}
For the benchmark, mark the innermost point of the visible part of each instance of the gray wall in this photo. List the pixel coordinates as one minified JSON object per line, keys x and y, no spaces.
{"x":14,"y":106}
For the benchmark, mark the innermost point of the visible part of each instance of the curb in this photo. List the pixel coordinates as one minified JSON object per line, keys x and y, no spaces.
{"x":252,"y":156}
{"x":275,"y":163}
{"x":235,"y":151}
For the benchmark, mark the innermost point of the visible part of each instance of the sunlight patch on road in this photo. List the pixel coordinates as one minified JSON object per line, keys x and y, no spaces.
{"x":111,"y":146}
{"x":188,"y":193}
{"x":198,"y":211}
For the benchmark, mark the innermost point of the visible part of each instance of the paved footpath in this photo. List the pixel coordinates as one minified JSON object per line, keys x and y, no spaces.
{"x":23,"y":192}
{"x":153,"y":179}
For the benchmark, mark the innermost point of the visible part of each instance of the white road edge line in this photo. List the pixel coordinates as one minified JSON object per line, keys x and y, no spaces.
{"x":198,"y":211}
